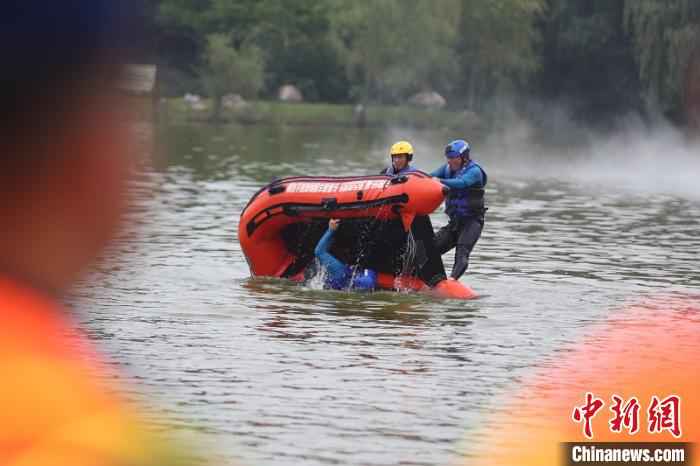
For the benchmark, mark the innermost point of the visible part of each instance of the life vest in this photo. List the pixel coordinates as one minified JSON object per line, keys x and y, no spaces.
{"x":363,"y":279}
{"x":392,"y":172}
{"x":338,"y":281}
{"x":466,"y":202}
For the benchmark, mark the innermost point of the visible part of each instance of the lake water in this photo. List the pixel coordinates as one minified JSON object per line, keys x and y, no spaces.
{"x":266,"y":372}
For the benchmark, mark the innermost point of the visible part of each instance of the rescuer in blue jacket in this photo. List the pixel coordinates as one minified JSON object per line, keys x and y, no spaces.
{"x":401,"y":154}
{"x":340,"y":276}
{"x":464,"y":204}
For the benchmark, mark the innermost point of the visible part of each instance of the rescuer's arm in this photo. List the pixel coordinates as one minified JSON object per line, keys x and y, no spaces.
{"x":468,"y":179}
{"x":333,"y":266}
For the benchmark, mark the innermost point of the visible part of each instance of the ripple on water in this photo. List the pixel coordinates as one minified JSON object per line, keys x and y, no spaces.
{"x":268,"y":372}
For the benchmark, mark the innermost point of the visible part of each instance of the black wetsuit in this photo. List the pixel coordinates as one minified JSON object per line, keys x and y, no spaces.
{"x":465,"y":207}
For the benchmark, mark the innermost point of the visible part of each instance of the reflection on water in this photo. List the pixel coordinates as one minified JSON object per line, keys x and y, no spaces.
{"x":269,"y":372}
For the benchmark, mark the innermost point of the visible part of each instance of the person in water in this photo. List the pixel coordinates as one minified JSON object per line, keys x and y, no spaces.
{"x":464,"y":204}
{"x":401,"y":154}
{"x":340,"y":276}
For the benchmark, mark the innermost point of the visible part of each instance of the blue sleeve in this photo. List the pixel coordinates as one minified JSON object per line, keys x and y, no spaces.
{"x":439,"y":173}
{"x":335,"y":269}
{"x":468,"y":179}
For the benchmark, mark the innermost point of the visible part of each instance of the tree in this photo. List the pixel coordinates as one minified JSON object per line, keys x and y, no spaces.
{"x":588,"y":59}
{"x":602,"y":57}
{"x":229,"y":69}
{"x":497,"y":47}
{"x":394,"y":47}
{"x":293,"y":37}
{"x":666,"y":35}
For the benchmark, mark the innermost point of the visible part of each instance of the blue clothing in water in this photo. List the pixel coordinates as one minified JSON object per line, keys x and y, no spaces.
{"x":391,"y":171}
{"x":471,"y":175}
{"x":338,"y":275}
{"x":466,"y":196}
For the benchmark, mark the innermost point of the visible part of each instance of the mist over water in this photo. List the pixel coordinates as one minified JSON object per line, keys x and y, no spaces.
{"x":653,"y":158}
{"x":633,"y":155}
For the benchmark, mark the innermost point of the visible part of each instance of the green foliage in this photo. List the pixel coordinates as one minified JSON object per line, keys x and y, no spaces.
{"x":392,"y":48}
{"x":231,"y":70}
{"x":296,"y":39}
{"x":500,"y":35}
{"x":497,"y":46}
{"x":293,"y":37}
{"x":665,"y":35}
{"x":601,"y":56}
{"x":587,"y":59}
{"x":380,"y":50}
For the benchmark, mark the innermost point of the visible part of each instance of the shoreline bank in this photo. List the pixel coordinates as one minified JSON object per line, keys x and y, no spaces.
{"x":177,"y":110}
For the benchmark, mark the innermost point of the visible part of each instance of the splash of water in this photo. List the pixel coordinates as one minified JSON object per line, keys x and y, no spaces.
{"x":653,"y":157}
{"x":407,"y":263}
{"x":366,"y":243}
{"x":319,"y":279}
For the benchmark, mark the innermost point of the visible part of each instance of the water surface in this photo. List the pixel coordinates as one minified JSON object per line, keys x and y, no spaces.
{"x":271,"y":373}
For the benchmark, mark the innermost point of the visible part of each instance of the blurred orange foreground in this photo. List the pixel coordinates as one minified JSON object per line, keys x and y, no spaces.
{"x":645,"y":350}
{"x":55,"y":411}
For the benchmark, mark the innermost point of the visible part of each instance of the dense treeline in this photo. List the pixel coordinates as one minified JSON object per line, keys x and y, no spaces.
{"x":601,"y":57}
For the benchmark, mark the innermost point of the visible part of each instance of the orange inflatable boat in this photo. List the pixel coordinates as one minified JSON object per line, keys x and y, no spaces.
{"x":385,"y":227}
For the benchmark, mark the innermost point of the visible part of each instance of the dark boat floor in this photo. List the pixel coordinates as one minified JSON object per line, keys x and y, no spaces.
{"x":383,"y":246}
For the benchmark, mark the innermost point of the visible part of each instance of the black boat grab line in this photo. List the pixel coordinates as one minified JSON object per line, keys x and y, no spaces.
{"x":293,"y":209}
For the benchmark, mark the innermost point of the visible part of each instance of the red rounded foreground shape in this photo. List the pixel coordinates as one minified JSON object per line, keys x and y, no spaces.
{"x":302,"y":199}
{"x":629,"y":378}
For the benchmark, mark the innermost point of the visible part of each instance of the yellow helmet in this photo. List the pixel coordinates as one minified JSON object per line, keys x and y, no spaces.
{"x":402,"y":147}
